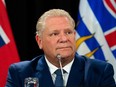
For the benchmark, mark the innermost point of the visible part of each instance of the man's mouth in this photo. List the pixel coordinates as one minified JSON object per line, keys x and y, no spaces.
{"x":67,"y":47}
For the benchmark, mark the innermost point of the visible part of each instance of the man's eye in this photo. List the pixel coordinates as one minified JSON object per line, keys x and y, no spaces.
{"x":69,"y":32}
{"x":53,"y":34}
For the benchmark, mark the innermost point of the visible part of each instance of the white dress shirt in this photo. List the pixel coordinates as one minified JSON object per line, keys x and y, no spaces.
{"x":53,"y":68}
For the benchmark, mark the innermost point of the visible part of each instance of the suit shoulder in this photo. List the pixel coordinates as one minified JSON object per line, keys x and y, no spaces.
{"x":20,"y":65}
{"x":25,"y":65}
{"x":98,"y":64}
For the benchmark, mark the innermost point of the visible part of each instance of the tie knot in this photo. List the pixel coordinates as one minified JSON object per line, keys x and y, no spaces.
{"x":58,"y":72}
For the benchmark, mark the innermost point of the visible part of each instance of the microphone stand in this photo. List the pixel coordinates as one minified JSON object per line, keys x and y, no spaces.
{"x":60,"y":63}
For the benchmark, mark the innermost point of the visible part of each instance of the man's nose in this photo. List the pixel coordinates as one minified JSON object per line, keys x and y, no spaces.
{"x":63,"y":37}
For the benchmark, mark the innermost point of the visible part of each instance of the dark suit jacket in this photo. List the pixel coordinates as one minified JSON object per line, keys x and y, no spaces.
{"x":84,"y":73}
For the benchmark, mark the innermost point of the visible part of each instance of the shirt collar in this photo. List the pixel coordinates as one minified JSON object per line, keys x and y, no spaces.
{"x":67,"y":68}
{"x":53,"y":68}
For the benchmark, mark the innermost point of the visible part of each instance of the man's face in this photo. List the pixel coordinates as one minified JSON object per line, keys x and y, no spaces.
{"x":58,"y":37}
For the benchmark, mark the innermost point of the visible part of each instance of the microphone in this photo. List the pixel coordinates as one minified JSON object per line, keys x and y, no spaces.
{"x":60,"y":63}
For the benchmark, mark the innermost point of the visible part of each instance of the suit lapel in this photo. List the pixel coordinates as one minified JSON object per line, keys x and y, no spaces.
{"x":76,"y":76}
{"x":43,"y":73}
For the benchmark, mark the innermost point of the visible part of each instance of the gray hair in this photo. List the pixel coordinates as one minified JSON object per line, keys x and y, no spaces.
{"x":40,"y":26}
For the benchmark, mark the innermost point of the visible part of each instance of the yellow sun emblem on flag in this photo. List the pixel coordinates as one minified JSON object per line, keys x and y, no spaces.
{"x":81,"y":40}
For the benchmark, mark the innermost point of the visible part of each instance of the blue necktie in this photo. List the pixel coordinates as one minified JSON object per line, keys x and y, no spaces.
{"x":59,"y":78}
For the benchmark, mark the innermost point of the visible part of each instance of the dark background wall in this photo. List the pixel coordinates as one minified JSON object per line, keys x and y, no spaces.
{"x":23,"y":15}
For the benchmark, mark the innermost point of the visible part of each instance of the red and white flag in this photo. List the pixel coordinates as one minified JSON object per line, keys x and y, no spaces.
{"x":8,"y":50}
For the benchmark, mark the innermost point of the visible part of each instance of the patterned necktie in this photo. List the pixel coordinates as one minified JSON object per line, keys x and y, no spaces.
{"x":59,"y":78}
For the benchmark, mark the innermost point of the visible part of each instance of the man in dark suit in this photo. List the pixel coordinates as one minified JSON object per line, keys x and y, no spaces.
{"x":55,"y":34}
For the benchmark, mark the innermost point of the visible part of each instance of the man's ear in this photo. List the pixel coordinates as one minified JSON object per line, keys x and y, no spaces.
{"x":39,"y":41}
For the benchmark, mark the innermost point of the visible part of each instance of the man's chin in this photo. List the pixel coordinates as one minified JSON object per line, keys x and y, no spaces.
{"x":65,"y":56}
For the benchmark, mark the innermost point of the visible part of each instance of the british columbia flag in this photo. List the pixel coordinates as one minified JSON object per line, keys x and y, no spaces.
{"x":96,"y":30}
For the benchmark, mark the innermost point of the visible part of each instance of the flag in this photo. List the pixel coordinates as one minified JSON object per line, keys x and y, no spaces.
{"x":8,"y":50}
{"x":96,"y":30}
